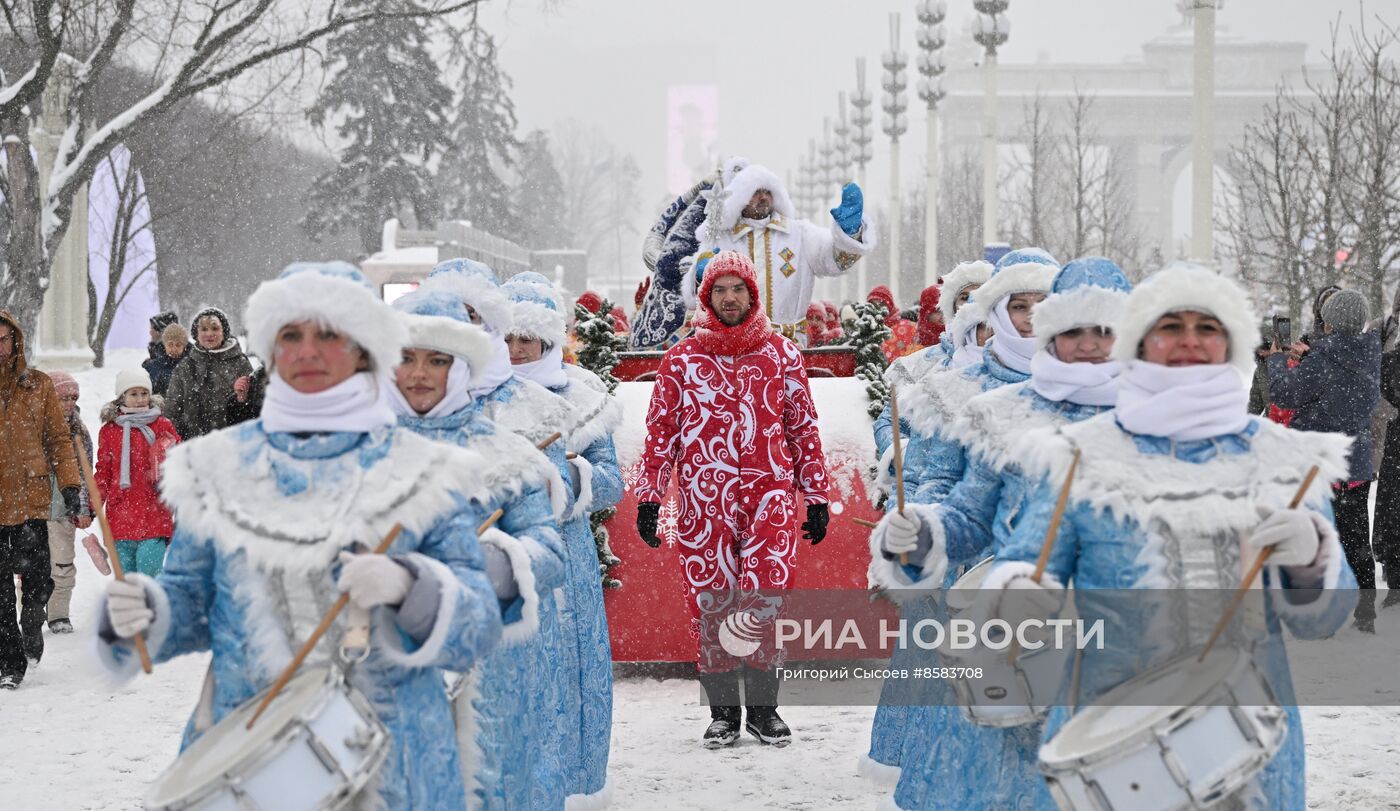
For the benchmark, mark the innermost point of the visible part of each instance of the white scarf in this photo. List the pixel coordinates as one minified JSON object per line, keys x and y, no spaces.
{"x":497,"y":371}
{"x":548,"y":371}
{"x":1011,"y":349}
{"x":141,"y":420}
{"x":358,"y":404}
{"x":1184,"y":403}
{"x":966,"y":352}
{"x":1088,"y":384}
{"x":456,"y":397}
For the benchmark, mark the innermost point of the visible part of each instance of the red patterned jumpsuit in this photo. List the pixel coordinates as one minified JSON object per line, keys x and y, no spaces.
{"x":732,"y":414}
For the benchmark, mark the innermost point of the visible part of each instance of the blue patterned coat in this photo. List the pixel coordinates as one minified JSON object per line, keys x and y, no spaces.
{"x":975,"y":520}
{"x":508,"y":763}
{"x":933,"y":463}
{"x":251,"y":569}
{"x":1149,"y":513}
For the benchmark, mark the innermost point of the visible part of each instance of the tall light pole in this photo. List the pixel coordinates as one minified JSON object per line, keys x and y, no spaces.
{"x":861,"y":136}
{"x":841,"y":158}
{"x":931,"y":13}
{"x":1203,"y":130}
{"x":895,"y":125}
{"x":991,"y":32}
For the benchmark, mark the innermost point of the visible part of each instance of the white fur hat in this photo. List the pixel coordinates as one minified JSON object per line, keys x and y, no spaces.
{"x":476,"y":285}
{"x":1025,"y":277}
{"x":534,"y":312}
{"x":131,"y":379}
{"x":1087,"y":292}
{"x":439,"y":321}
{"x":334,"y":294}
{"x":740,"y":190}
{"x":1185,"y":287}
{"x":957,"y":280}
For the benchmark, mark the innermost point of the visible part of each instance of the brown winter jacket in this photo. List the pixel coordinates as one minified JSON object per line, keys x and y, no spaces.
{"x":34,"y":438}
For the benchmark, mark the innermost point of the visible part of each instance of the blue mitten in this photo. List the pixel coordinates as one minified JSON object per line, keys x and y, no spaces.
{"x":851,"y":212}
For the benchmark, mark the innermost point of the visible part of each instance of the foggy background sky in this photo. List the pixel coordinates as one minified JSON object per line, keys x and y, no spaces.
{"x":780,"y":63}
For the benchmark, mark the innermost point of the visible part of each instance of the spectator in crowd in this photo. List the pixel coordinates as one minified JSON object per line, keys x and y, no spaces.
{"x":34,"y":442}
{"x":904,"y":335}
{"x":158,"y":323}
{"x":1335,"y":387}
{"x":1385,"y":535}
{"x":213,"y":387}
{"x":931,"y":324}
{"x":130,"y":447}
{"x":160,"y":366}
{"x":61,"y":548}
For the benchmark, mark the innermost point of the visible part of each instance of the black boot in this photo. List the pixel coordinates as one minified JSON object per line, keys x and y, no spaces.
{"x":761,"y":698}
{"x":722,"y":692}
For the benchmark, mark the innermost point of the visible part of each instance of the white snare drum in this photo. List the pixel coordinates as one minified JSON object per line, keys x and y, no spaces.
{"x":314,"y":749}
{"x":1006,"y":694}
{"x":1209,"y":729}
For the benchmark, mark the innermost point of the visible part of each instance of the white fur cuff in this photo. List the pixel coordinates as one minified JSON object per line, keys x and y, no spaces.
{"x":118,"y":659}
{"x":389,"y":638}
{"x":524,"y":628}
{"x":591,"y":802}
{"x":892,"y":576}
{"x":1329,"y":561}
{"x":878,"y":773}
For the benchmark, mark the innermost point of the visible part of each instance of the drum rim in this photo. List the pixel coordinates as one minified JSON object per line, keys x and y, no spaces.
{"x":225,"y":778}
{"x":1174,"y":720}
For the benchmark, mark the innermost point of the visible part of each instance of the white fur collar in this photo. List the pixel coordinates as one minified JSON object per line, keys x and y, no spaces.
{"x":295,"y":515}
{"x":1219,"y":495}
{"x":936,"y":401}
{"x":993,"y":423}
{"x":534,"y":412}
{"x":911,"y":368}
{"x":596,"y":414}
{"x":515,"y":463}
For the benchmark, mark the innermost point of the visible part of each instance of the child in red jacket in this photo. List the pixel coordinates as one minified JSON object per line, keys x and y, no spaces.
{"x":130,"y":447}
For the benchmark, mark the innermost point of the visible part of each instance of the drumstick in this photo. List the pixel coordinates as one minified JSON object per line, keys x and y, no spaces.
{"x":1049,"y":543}
{"x":865,"y":523}
{"x":317,"y":634}
{"x":1254,"y":571}
{"x":895,"y":442}
{"x":549,"y":440}
{"x":95,"y":496}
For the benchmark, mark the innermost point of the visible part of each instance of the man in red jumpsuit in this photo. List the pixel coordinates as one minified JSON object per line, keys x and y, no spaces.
{"x":731,"y":412}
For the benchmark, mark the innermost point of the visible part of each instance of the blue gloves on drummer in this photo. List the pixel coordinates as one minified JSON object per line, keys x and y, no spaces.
{"x":851,"y":213}
{"x":648,"y":512}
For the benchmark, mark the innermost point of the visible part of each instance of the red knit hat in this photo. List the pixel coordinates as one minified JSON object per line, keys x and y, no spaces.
{"x":883,"y":295}
{"x":591,"y":301}
{"x":929,"y":332}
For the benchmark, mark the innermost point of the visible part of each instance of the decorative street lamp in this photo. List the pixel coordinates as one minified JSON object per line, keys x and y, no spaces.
{"x":1203,"y":129}
{"x":991,"y":31}
{"x":895,"y":125}
{"x":931,"y":15}
{"x":861,"y":136}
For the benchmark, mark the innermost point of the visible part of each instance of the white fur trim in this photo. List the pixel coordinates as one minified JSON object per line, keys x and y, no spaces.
{"x":591,"y":802}
{"x":487,"y":299}
{"x":596,"y":414}
{"x":1182,"y":287}
{"x":884,"y":469}
{"x":865,"y":240}
{"x":1002,"y":574}
{"x":450,"y":336}
{"x":960,"y":277}
{"x":687,"y":265}
{"x":911,"y":368}
{"x":468,"y":723}
{"x":584,"y":500}
{"x":878,"y":773}
{"x":387,"y":635}
{"x":938,"y":400}
{"x":587,"y":378}
{"x":1024,"y":277}
{"x":995,"y":423}
{"x":888,"y":804}
{"x":534,"y":320}
{"x":534,"y":413}
{"x":1331,"y":554}
{"x":890,"y":575}
{"x":1221,"y":495}
{"x":1086,"y":306}
{"x":740,"y":190}
{"x":523,"y":571}
{"x":118,"y":660}
{"x":335,"y":302}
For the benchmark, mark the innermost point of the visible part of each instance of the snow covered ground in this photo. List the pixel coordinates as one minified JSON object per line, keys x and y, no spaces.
{"x":69,"y":740}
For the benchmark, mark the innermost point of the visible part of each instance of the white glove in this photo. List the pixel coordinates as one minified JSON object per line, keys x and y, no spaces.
{"x":373,"y":580}
{"x":1291,"y":533}
{"x":901,"y":532}
{"x":127,"y":609}
{"x":1024,"y":599}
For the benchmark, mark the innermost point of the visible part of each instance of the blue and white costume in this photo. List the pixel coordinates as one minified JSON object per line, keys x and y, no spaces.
{"x":538,"y":313}
{"x":503,"y":765}
{"x":976,"y":519}
{"x":1165,"y":504}
{"x":933,"y":463}
{"x":253,"y":563}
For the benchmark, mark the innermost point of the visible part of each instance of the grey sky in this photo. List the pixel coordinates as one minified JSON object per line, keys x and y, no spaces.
{"x":779,"y":63}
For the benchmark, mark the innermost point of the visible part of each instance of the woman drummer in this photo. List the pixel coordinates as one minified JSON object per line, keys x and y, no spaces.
{"x":1072,"y":379}
{"x":1180,"y":488}
{"x":267,"y":513}
{"x":506,"y":711}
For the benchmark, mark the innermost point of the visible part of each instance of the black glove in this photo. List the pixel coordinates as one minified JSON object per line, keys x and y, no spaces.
{"x":647,"y":513}
{"x":72,"y":502}
{"x":814,"y":528}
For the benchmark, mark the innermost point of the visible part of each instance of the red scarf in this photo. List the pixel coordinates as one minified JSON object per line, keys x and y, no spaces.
{"x":717,"y":337}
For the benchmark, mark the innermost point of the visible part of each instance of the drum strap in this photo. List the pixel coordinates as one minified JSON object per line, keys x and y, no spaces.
{"x":204,"y":710}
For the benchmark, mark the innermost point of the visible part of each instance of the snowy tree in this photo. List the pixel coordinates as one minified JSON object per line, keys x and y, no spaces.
{"x":598,"y":348}
{"x":483,"y":138}
{"x":601,"y":196}
{"x":539,"y":196}
{"x":127,"y":263}
{"x":960,"y":209}
{"x":1035,"y":182}
{"x":193,"y":48}
{"x":866,"y":332}
{"x":388,"y":106}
